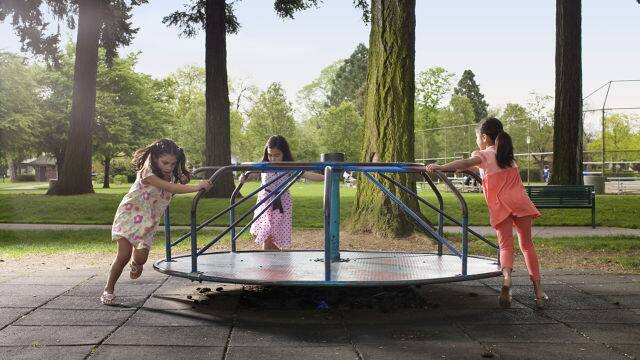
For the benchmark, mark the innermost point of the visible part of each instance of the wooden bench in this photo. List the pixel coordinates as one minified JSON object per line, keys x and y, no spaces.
{"x":565,"y":197}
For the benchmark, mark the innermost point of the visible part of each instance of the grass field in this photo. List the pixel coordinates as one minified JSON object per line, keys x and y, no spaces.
{"x":32,"y":206}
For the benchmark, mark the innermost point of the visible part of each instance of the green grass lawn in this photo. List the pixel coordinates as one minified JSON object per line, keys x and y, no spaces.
{"x":32,"y":206}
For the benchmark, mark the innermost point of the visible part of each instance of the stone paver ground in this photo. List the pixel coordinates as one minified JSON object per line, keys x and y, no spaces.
{"x":58,"y":315}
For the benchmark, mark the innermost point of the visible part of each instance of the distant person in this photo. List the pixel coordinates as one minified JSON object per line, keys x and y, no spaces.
{"x":161,"y":172}
{"x":273,"y":228}
{"x":546,"y":174}
{"x":507,"y":200}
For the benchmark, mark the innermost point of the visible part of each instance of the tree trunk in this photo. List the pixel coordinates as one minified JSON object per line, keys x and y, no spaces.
{"x":75,"y":175}
{"x":217,"y":126}
{"x":107,"y":170}
{"x":567,"y":136}
{"x":388,"y":117}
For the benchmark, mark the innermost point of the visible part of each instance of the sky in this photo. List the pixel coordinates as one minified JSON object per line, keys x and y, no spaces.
{"x":509,"y":45}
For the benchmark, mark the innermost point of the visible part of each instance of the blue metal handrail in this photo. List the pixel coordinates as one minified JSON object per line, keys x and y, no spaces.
{"x":294,"y":171}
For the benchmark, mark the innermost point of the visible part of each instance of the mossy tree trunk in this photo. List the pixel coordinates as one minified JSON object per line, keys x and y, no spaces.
{"x":388,"y":118}
{"x":217,"y":128}
{"x":567,"y":122}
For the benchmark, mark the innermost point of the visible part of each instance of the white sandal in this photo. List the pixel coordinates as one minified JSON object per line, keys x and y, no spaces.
{"x":136,"y":270}
{"x":107,"y":298}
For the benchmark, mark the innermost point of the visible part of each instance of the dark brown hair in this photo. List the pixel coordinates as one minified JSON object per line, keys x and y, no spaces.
{"x":280,"y":143}
{"x":157,"y":149}
{"x":492,"y":127}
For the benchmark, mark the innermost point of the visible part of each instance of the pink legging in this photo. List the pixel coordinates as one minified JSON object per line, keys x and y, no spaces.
{"x":505,"y":240}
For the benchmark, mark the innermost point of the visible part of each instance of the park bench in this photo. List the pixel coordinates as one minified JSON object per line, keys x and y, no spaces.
{"x":564,"y":197}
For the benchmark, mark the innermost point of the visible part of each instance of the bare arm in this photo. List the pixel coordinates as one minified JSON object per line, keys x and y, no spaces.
{"x":456,"y":165}
{"x":313,"y":176}
{"x":176,"y":188}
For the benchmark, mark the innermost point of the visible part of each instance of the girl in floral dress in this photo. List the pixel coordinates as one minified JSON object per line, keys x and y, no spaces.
{"x":273,"y":228}
{"x":161,"y":172}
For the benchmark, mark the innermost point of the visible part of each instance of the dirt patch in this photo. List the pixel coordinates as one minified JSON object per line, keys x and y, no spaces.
{"x":314,"y":239}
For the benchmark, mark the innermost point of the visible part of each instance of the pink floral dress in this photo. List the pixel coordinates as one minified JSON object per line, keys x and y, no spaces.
{"x":275,"y":223}
{"x":139,"y":212}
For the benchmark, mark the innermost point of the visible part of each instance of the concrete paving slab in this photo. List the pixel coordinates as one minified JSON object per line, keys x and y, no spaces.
{"x":210,"y":335}
{"x":627,"y":288}
{"x":588,"y":278}
{"x":343,"y":352}
{"x":284,"y":316}
{"x":607,"y":316}
{"x":192,"y":317}
{"x":522,"y":280}
{"x":362,"y":334}
{"x":289,"y":335}
{"x":529,"y":333}
{"x":125,"y":280}
{"x":44,"y":352}
{"x":611,"y":333}
{"x":623,"y":301}
{"x":436,"y":290}
{"x":24,"y":300}
{"x":410,"y":350}
{"x":545,"y":351}
{"x":75,"y":317}
{"x":9,"y":315}
{"x":471,"y":301}
{"x":563,"y":297}
{"x":447,"y":316}
{"x":177,"y":285}
{"x":93,"y":303}
{"x":53,"y":335}
{"x":630,"y":351}
{"x":214,"y":302}
{"x":30,"y":290}
{"x":120,"y":290}
{"x":43,"y":280}
{"x":119,"y":352}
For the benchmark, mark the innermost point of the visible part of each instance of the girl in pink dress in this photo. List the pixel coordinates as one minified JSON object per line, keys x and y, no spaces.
{"x":273,"y":228}
{"x":161,"y":172}
{"x":507,"y":200}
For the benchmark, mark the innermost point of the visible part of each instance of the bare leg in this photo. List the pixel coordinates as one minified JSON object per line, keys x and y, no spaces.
{"x":121,"y":260}
{"x":269,"y":245}
{"x":138,"y":259}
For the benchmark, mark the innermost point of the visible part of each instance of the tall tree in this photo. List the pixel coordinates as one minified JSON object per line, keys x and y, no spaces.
{"x":100,"y":23}
{"x":468,"y":87}
{"x":18,"y":112}
{"x":388,"y":116}
{"x":271,"y":115}
{"x":334,"y":124}
{"x":217,"y":18}
{"x":432,"y":85}
{"x":350,"y":80}
{"x":567,"y":124}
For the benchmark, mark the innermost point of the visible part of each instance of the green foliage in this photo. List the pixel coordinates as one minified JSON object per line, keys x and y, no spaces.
{"x":349,"y":83}
{"x":18,"y":110}
{"x":468,"y":87}
{"x":28,"y":21}
{"x":25,"y":177}
{"x":314,"y":97}
{"x":334,"y":125}
{"x":432,"y":85}
{"x":271,"y":115}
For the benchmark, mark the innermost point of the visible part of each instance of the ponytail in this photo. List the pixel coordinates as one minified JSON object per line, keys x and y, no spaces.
{"x":492,"y":127}
{"x":504,"y":150}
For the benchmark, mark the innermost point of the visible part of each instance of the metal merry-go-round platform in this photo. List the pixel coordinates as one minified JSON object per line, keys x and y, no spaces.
{"x":331,"y":266}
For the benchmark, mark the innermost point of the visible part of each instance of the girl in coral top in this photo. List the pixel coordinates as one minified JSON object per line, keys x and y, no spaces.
{"x":507,"y":200}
